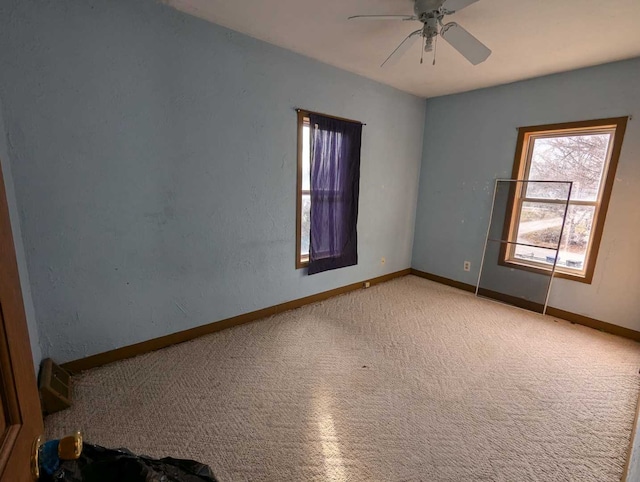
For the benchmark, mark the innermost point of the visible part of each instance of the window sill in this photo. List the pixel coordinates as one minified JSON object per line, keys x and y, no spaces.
{"x":302,"y":262}
{"x":585,"y":277}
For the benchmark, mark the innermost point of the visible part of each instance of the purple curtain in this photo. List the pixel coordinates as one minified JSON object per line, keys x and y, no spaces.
{"x":335,"y":181}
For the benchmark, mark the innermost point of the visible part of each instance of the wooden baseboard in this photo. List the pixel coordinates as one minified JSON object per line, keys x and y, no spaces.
{"x":186,"y":335}
{"x":130,"y":351}
{"x":593,"y":323}
{"x":445,"y":281}
{"x":512,"y":300}
{"x":551,"y":311}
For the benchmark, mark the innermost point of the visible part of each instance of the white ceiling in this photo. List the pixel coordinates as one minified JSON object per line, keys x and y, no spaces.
{"x":529,"y":38}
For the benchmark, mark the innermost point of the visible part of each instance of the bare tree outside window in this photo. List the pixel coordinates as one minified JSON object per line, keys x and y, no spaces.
{"x":579,"y":158}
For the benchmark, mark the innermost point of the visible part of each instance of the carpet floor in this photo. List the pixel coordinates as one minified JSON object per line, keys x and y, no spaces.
{"x":408,"y":380}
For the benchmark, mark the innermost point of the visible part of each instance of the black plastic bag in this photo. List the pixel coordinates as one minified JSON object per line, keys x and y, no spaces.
{"x":98,"y":464}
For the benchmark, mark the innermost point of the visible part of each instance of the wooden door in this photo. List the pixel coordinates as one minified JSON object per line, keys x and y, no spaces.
{"x":20,"y":415}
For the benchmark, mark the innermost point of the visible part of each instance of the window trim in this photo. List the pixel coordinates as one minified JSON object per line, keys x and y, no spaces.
{"x":522,"y":164}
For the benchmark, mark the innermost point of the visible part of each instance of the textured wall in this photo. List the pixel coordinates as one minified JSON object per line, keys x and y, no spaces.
{"x":19,"y":247}
{"x":154,"y":160}
{"x":470,"y":140}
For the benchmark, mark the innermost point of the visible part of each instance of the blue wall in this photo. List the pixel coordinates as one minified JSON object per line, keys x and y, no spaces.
{"x":470,"y":140}
{"x":17,"y":241}
{"x":154,"y":160}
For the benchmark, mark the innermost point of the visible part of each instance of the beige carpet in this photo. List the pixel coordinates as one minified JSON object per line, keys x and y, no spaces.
{"x":409,"y":380}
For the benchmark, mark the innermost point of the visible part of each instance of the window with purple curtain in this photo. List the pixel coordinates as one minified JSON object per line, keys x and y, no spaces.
{"x":335,"y":181}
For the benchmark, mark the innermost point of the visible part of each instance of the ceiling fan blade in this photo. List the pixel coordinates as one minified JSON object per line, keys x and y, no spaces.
{"x":402,"y":48}
{"x":457,"y":5}
{"x":383,"y":17}
{"x":470,"y":47}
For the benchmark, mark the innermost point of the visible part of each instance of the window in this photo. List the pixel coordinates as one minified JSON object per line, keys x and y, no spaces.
{"x":304,"y":191}
{"x":328,"y":184}
{"x":585,"y":153}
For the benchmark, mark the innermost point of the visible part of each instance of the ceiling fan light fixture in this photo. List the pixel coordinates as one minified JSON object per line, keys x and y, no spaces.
{"x":428,"y":44}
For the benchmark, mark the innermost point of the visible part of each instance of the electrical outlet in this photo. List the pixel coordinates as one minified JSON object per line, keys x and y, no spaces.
{"x":367,"y":284}
{"x":467,"y":265}
{"x":383,"y":261}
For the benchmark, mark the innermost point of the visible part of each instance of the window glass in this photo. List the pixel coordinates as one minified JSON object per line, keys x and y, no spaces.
{"x":306,"y":225}
{"x":306,"y":158}
{"x":580,"y":159}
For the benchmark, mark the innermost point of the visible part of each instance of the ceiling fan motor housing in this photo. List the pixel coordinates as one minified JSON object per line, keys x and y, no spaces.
{"x":430,"y":29}
{"x":423,"y":8}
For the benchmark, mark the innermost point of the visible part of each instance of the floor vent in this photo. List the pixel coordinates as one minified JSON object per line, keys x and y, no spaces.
{"x":55,"y":387}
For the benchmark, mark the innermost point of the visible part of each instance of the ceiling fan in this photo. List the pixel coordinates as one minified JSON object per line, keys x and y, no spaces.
{"x":431,"y":13}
